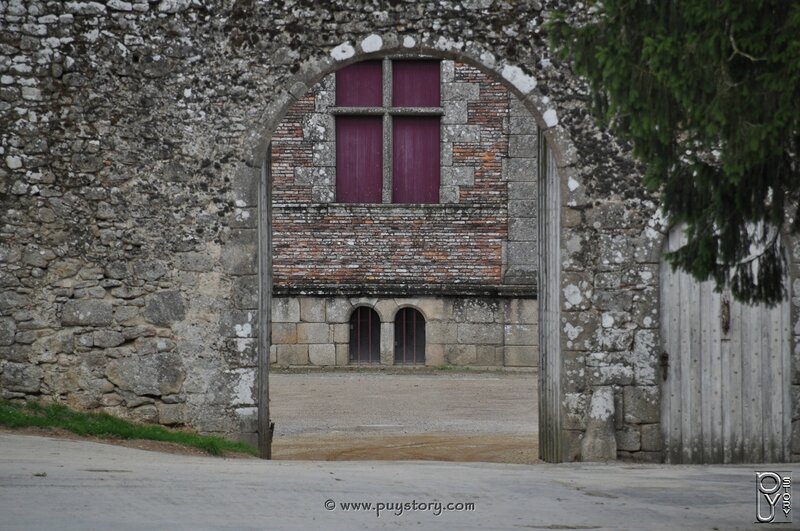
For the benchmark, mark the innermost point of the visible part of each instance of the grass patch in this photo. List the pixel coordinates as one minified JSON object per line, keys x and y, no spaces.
{"x":106,"y":426}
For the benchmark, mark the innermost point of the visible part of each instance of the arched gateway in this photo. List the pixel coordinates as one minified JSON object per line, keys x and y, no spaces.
{"x":135,"y":272}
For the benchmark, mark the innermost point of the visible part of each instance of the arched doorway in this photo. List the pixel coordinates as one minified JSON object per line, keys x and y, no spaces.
{"x":365,"y":336}
{"x":548,"y":228}
{"x":409,"y":337}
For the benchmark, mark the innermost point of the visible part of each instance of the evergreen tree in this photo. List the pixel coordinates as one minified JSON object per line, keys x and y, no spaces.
{"x":708,"y":94}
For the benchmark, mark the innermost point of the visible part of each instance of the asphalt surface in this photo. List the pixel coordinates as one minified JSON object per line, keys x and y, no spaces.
{"x":75,"y":485}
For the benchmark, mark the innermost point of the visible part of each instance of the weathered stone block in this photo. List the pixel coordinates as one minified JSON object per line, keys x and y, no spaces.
{"x":313,"y":333}
{"x":521,"y":356}
{"x":150,"y":270}
{"x":434,"y":355}
{"x":461,"y":133}
{"x":522,"y":252}
{"x":460,"y":354}
{"x":337,"y":310}
{"x":629,"y":438}
{"x":171,"y":414}
{"x":523,"y":229}
{"x":488,"y":355}
{"x":461,"y":92}
{"x":599,"y":443}
{"x":615,"y":374}
{"x":458,"y":176}
{"x":147,"y":414}
{"x":432,"y":308}
{"x":238,"y":323}
{"x":284,"y":333}
{"x":524,"y":146}
{"x":245,"y":292}
{"x":521,"y":170}
{"x":239,"y":256}
{"x":107,"y":338}
{"x":156,"y":374}
{"x":194,"y":261}
{"x":21,"y":377}
{"x":520,"y":119}
{"x":641,"y":404}
{"x":164,"y":308}
{"x":522,"y":311}
{"x":292,"y":355}
{"x":240,"y":352}
{"x":521,"y":334}
{"x":7,"y":331}
{"x":322,"y":354}
{"x":342,"y":354}
{"x":86,"y":313}
{"x":480,"y":334}
{"x":574,"y":409}
{"x":285,"y":310}
{"x":126,"y":314}
{"x":312,"y":309}
{"x":437,"y":332}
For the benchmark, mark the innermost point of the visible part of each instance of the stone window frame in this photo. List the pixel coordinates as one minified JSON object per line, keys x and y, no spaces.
{"x":387,"y":111}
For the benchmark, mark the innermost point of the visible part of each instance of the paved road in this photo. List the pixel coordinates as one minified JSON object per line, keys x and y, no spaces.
{"x":96,"y":486}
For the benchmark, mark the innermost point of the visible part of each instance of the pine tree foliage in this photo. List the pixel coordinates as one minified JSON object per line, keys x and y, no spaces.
{"x":708,"y":94}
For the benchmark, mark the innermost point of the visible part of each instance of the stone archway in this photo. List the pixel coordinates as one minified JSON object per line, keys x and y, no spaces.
{"x":555,"y":164}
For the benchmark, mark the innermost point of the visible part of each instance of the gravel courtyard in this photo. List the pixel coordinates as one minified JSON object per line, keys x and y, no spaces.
{"x":378,"y":415}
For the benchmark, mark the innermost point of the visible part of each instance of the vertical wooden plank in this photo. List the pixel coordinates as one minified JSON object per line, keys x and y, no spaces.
{"x":687,"y":300}
{"x":736,"y":406}
{"x":416,"y":83}
{"x":415,"y":159}
{"x":671,"y":314}
{"x":264,"y":305}
{"x":713,"y":436}
{"x":359,"y":159}
{"x":767,"y":387}
{"x":359,"y":85}
{"x":667,"y":339}
{"x":786,"y":377}
{"x":704,"y":356}
{"x":773,"y":385}
{"x":728,"y":382}
{"x":695,"y":374}
{"x":752,"y":425}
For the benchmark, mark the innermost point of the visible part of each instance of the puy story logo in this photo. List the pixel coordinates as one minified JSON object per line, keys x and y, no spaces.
{"x":773,"y":497}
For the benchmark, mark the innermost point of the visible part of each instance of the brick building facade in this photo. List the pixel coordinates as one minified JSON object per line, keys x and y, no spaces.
{"x":467,"y":262}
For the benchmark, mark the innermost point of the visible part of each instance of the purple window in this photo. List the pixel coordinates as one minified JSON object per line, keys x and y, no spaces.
{"x":360,"y":85}
{"x":415,"y":159}
{"x":415,"y":84}
{"x":359,"y":159}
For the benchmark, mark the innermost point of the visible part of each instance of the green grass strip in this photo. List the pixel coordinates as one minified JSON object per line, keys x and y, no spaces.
{"x":14,"y":415}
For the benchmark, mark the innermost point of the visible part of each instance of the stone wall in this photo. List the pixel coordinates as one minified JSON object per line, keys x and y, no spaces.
{"x":134,"y":132}
{"x":486,"y":332}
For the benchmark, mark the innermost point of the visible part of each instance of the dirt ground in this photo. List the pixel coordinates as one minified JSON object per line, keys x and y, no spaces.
{"x":375,"y":415}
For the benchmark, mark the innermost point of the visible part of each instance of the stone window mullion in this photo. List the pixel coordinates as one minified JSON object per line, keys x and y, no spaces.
{"x":387,"y":130}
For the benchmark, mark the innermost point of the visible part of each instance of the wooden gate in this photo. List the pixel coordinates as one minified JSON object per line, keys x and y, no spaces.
{"x":727,"y":368}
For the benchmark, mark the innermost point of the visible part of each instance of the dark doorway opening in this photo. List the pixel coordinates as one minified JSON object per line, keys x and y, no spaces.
{"x":409,"y":337}
{"x":365,"y":336}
